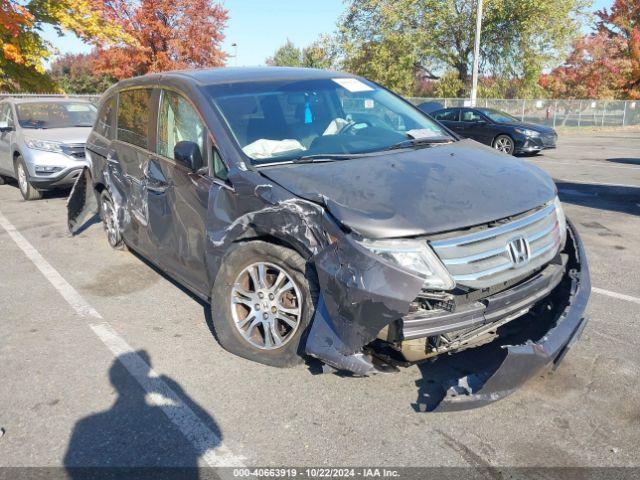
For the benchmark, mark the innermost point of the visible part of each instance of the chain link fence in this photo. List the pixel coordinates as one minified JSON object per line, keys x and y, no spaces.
{"x":92,"y":98}
{"x":557,"y":113}
{"x":552,"y":112}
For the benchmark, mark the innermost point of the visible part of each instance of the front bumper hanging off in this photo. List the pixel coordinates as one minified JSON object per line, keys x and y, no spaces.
{"x":344,"y":324}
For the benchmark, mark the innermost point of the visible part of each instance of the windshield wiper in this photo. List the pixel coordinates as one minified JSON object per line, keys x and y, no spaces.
{"x":325,"y":157}
{"x":420,"y":142}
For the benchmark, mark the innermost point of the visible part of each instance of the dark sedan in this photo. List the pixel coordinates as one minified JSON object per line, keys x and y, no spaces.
{"x":497,"y":129}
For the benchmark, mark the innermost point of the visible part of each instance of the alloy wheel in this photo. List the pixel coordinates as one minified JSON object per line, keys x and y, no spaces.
{"x":109,"y":222}
{"x":504,"y":144}
{"x":266,"y":305}
{"x":22,"y":179}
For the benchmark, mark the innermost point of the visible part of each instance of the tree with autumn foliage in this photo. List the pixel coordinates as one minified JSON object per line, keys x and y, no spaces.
{"x":604,"y":63}
{"x":167,"y":35}
{"x":74,"y":73}
{"x":22,"y":48}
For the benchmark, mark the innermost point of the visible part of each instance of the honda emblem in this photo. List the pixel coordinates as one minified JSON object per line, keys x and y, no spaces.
{"x":519,"y":251}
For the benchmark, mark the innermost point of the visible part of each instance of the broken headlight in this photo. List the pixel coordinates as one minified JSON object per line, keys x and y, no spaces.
{"x":562,"y":221}
{"x":416,"y":256}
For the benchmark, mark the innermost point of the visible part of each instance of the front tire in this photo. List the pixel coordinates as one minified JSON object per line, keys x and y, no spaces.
{"x":505,"y":144}
{"x":26,"y":189}
{"x":262,"y":303}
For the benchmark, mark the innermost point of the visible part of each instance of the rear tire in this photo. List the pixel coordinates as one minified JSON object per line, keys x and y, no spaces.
{"x":262,"y":303}
{"x":28,"y":191}
{"x":109,"y":218}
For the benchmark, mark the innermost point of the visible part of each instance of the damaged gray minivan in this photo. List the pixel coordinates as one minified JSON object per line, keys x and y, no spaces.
{"x":324,"y":216}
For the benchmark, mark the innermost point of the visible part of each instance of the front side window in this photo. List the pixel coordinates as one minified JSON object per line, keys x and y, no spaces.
{"x":104,"y":124}
{"x":55,"y":114}
{"x":178,"y":122}
{"x":6,"y":119}
{"x":275,"y":121}
{"x":133,"y":116}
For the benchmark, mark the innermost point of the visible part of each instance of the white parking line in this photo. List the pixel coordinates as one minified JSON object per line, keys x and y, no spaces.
{"x":619,"y":296}
{"x":207,"y":443}
{"x":63,"y":287}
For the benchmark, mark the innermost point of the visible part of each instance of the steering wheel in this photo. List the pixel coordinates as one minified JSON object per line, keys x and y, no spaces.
{"x":348,"y":129}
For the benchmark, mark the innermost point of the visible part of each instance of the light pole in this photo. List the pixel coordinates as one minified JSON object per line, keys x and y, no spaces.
{"x":235,"y":52}
{"x":476,"y":54}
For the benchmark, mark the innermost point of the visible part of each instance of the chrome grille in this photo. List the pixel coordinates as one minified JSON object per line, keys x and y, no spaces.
{"x":75,"y":150}
{"x":483,"y":259}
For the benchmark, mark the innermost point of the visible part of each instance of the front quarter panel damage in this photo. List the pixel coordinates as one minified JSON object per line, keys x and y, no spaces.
{"x":360,"y":296}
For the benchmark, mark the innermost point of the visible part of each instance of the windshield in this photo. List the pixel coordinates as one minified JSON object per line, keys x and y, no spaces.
{"x":498,"y":116}
{"x":55,"y":114}
{"x":283,"y":120}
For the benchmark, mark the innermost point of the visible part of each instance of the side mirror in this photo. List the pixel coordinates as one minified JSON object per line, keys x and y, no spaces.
{"x":480,"y":121}
{"x":188,"y":153}
{"x":4,"y":127}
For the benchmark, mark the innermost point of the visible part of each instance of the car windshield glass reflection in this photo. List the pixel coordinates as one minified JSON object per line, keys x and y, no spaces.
{"x":498,"y":116}
{"x":55,"y":115}
{"x":287,"y":120}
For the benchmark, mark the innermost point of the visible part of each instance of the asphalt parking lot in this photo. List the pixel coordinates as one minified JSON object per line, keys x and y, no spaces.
{"x":73,"y":390}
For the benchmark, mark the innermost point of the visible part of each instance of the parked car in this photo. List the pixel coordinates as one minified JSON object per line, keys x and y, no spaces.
{"x":322,"y":215}
{"x":430,"y":107}
{"x":498,"y":129}
{"x":42,"y":142}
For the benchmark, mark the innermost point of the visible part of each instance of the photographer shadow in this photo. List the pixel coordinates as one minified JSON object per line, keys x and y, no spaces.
{"x":136,"y":437}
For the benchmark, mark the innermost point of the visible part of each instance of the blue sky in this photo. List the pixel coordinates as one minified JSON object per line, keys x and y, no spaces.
{"x":259,"y":27}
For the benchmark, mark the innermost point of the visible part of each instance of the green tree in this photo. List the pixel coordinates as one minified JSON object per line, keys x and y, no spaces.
{"x":288,"y":55}
{"x":75,"y":73}
{"x":397,"y":42}
{"x":322,"y":53}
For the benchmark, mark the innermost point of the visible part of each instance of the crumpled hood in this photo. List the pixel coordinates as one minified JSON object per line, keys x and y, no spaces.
{"x":62,"y":135}
{"x":422,"y":191}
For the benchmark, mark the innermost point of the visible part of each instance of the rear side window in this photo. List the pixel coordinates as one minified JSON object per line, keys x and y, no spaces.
{"x":447,"y":115}
{"x":471,"y":116}
{"x":133,"y":117}
{"x":106,"y":117}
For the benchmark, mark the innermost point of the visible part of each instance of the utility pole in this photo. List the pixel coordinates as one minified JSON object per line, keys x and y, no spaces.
{"x":476,"y":55}
{"x":235,"y":52}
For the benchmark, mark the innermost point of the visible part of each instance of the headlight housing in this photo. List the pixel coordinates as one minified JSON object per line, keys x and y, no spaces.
{"x":45,"y":145}
{"x":415,"y":256}
{"x":527,"y":132}
{"x":562,"y":221}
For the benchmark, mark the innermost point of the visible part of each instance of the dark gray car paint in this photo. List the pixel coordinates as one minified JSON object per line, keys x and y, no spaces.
{"x":312,"y":209}
{"x":420,"y":192}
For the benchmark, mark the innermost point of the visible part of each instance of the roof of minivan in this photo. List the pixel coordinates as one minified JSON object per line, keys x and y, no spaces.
{"x":213,"y":76}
